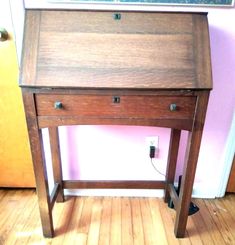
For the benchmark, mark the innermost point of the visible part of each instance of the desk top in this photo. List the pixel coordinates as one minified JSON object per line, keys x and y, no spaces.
{"x":131,"y":50}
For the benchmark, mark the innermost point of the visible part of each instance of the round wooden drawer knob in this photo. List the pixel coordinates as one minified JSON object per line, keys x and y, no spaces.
{"x":58,"y":105}
{"x":173,"y":107}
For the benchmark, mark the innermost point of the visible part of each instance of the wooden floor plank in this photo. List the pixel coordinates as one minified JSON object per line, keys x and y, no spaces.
{"x":209,"y":223}
{"x":193,"y":232}
{"x":61,"y":226}
{"x":84,"y":222}
{"x":16,"y":202}
{"x":158,"y":225}
{"x":73,"y":223}
{"x":222,"y":227}
{"x":94,"y":230}
{"x":22,"y":229}
{"x":137,"y":224}
{"x":168,"y":224}
{"x":149,"y":232}
{"x":127,"y":233}
{"x":226,"y":217}
{"x":202,"y":228}
{"x":105,"y":221}
{"x":229,"y":203}
{"x":113,"y":221}
{"x":116,"y":222}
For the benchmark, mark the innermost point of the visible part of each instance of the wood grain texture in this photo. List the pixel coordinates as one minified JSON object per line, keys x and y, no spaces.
{"x":116,"y":222}
{"x":142,"y":50}
{"x":190,"y":165}
{"x":213,"y":225}
{"x":36,"y":143}
{"x":137,"y":223}
{"x":55,"y":121}
{"x":113,"y":184}
{"x":56,"y":161}
{"x":30,"y":47}
{"x":172,"y":160}
{"x":129,"y":106}
{"x":105,"y":225}
{"x":103,"y":22}
{"x":202,"y":51}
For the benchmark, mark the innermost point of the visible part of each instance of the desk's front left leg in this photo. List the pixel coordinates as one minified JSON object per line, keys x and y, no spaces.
{"x":36,"y":143}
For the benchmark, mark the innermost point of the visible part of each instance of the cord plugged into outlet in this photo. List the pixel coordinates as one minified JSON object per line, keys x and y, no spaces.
{"x":152,"y":144}
{"x":152,"y":150}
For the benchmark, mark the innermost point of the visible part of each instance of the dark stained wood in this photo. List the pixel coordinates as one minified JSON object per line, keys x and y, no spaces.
{"x":129,"y":106}
{"x":202,"y":51}
{"x":30,"y":47}
{"x":174,"y":196}
{"x":172,"y":160}
{"x":36,"y":143}
{"x":90,"y":50}
{"x":56,"y":160}
{"x":117,"y":184}
{"x":103,"y":22}
{"x":110,"y":91}
{"x":231,"y":181}
{"x":192,"y":151}
{"x":52,"y":121}
{"x":85,"y":58}
{"x":54,"y":194}
{"x":114,"y":54}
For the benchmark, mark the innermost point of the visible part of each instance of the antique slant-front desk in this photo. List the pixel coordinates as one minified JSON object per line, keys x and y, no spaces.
{"x":122,"y":68}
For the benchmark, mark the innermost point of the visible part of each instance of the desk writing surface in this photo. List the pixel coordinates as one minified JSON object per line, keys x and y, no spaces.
{"x":82,"y":49}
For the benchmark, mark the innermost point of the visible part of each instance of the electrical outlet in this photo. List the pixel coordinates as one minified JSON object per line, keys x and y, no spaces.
{"x":152,"y":141}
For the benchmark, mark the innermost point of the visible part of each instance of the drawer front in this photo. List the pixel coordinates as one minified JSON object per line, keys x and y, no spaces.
{"x":151,"y":107}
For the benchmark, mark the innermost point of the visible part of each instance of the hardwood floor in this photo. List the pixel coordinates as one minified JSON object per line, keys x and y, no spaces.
{"x":114,"y":221}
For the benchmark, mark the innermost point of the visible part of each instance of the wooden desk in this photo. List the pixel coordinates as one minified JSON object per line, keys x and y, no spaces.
{"x":125,"y":68}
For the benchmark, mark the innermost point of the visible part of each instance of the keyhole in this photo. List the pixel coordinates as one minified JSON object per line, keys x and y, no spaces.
{"x":117,"y":16}
{"x":116,"y":99}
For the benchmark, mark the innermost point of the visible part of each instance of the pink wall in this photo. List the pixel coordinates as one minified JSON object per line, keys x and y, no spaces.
{"x":222,"y":100}
{"x":119,"y":152}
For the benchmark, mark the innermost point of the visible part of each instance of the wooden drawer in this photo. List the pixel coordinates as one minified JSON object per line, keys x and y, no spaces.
{"x":134,"y":106}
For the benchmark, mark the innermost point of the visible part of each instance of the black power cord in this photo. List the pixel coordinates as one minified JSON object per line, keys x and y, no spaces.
{"x":152,"y":151}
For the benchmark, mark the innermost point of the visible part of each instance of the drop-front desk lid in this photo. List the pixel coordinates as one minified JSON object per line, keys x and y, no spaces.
{"x":136,"y":50}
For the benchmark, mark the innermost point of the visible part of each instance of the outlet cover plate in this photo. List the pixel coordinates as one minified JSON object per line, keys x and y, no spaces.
{"x":152,"y":141}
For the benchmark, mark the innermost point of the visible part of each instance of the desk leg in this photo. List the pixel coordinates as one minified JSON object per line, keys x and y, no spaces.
{"x":172,"y":159}
{"x":56,"y":160}
{"x":191,"y":158}
{"x":36,"y":143}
